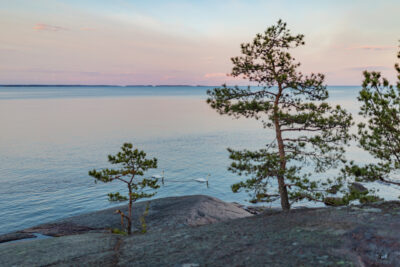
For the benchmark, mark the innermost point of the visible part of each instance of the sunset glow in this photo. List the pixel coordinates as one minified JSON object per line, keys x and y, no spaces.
{"x":186,"y":42}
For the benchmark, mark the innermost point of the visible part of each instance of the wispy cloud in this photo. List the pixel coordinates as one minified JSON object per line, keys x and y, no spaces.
{"x":371,"y":47}
{"x":47,"y":27}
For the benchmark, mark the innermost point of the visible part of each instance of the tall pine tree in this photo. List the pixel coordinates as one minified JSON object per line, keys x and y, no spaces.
{"x":308,"y":131}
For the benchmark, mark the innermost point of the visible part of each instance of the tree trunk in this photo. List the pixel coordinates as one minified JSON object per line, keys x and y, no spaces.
{"x":129,"y":228}
{"x":281,"y":179}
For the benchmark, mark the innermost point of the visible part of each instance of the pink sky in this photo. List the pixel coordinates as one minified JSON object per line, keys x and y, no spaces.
{"x":186,"y":42}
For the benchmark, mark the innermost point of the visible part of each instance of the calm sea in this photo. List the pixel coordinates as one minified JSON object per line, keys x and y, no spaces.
{"x":51,"y":136}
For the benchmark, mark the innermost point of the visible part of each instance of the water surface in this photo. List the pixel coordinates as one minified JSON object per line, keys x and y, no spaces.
{"x":51,"y":136}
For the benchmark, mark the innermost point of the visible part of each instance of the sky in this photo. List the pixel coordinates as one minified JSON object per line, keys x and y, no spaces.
{"x":127,"y":42}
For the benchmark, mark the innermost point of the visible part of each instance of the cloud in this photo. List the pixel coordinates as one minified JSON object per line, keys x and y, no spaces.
{"x":47,"y":27}
{"x":215,"y":75}
{"x":371,"y":47}
{"x":53,"y":28}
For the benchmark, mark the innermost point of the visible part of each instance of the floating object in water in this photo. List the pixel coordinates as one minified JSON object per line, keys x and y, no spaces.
{"x":202,"y":180}
{"x":158,"y":177}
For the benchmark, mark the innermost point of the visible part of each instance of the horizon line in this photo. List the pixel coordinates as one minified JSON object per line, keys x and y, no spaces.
{"x":136,"y":85}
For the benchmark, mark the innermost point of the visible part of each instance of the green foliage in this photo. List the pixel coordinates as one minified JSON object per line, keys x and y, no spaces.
{"x":308,"y":130}
{"x":362,"y":196}
{"x":369,"y":199}
{"x":132,"y":165}
{"x":380,"y":134}
{"x":346,"y":199}
{"x":336,"y":201}
{"x":114,"y":197}
{"x":352,"y":195}
{"x":143,"y":219}
{"x":118,"y":231}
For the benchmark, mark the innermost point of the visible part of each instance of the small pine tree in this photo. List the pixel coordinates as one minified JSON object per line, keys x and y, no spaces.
{"x":133,"y":164}
{"x":307,"y":129}
{"x":380,"y":134}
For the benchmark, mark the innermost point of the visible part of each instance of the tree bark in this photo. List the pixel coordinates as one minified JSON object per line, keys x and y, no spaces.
{"x":281,"y":179}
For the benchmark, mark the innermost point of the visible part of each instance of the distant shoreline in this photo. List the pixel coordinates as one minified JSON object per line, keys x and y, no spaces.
{"x":99,"y":85}
{"x":133,"y":86}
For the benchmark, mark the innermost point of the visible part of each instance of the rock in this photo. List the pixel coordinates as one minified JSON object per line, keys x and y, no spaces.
{"x":255,"y":209}
{"x":58,"y":229}
{"x":358,"y":188}
{"x":15,"y":236}
{"x":369,"y":209}
{"x":305,"y":237}
{"x":164,"y":214}
{"x":88,"y":248}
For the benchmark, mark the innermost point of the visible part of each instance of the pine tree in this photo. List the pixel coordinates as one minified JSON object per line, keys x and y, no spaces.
{"x":380,"y":134}
{"x":133,"y":164}
{"x":307,"y":129}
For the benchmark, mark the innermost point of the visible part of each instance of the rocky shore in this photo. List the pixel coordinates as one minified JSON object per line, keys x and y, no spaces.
{"x":201,"y":230}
